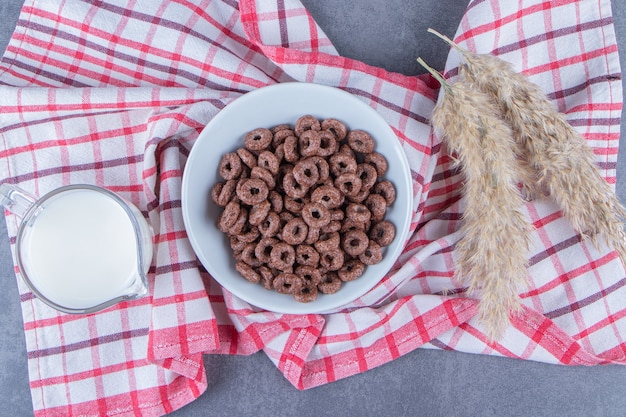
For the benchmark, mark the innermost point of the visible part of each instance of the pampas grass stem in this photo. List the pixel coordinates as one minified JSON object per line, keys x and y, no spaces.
{"x":492,"y":252}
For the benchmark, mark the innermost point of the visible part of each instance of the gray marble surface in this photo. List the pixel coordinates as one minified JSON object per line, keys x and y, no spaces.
{"x":425,"y":383}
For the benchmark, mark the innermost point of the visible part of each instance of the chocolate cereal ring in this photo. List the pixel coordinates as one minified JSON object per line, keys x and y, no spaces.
{"x":284,"y":216}
{"x":239,"y":188}
{"x":279,"y":151}
{"x":248,"y":158}
{"x":270,"y":226}
{"x":306,"y":173}
{"x":276,"y":200}
{"x":223,"y":192}
{"x":327,"y":242}
{"x":267,"y":277}
{"x":230,"y":166}
{"x":328,"y":196}
{"x":351,"y":270}
{"x":332,"y":260}
{"x":307,"y":255}
{"x":330,"y":283}
{"x":240,"y":224}
{"x":387,"y":190}
{"x":306,"y":294}
{"x":309,"y":143}
{"x":252,"y":191}
{"x":322,"y":167}
{"x":259,"y":212}
{"x":216,"y":190}
{"x":287,"y":283}
{"x":249,"y":233}
{"x":265,"y":175}
{"x":228,"y":217}
{"x":348,"y":184}
{"x":378,"y":161}
{"x":383,"y":233}
{"x":291,"y":149}
{"x":361,"y":141}
{"x":309,"y":274}
{"x":281,"y":135}
{"x":282,"y":256}
{"x":377,"y":205}
{"x":345,"y":148}
{"x":350,"y":224}
{"x":342,"y":163}
{"x":358,"y":212}
{"x":338,"y":128}
{"x":294,"y":205}
{"x":292,"y":187}
{"x":235,"y":244}
{"x":295,"y":231}
{"x":315,"y":215}
{"x":313,"y":236}
{"x":248,"y":255}
{"x":306,"y":122}
{"x":359,"y":197}
{"x":247,"y":272}
{"x":263,"y":249}
{"x":328,"y":144}
{"x":269,"y":161}
{"x":258,"y":139}
{"x":282,"y":171}
{"x":354,"y":242}
{"x":368,"y":175}
{"x":372,"y":255}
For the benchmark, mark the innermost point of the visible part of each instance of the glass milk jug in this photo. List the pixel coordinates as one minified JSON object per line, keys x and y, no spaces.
{"x":80,"y":248}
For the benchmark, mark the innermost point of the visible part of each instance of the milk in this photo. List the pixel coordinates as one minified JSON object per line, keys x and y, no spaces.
{"x":80,"y":249}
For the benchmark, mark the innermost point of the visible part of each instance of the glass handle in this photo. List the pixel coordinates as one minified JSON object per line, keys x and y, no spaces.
{"x":16,"y":200}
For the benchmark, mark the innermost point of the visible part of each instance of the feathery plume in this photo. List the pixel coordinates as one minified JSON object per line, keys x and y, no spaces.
{"x":561,"y":161}
{"x":492,"y":253}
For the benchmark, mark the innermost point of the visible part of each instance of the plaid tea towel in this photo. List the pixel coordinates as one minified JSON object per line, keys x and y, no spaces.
{"x":114,"y":93}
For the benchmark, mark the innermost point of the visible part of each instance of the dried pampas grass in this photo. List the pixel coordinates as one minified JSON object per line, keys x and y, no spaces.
{"x":492,"y":252}
{"x":505,"y":131}
{"x":549,"y":149}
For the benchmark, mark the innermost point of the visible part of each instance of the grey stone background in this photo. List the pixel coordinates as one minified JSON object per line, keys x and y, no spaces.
{"x":389,"y":34}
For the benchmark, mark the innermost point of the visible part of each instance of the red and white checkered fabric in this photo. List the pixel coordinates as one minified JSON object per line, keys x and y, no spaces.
{"x":114,"y":93}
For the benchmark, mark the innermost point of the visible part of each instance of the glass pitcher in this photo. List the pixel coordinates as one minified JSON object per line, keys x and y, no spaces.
{"x":80,"y":248}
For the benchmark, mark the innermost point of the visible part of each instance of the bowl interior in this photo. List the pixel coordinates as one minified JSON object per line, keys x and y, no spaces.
{"x":267,"y":107}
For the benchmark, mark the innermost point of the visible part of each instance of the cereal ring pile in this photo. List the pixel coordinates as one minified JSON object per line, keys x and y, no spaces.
{"x":304,"y":206}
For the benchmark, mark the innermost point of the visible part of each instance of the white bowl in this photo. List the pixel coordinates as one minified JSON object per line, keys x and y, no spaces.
{"x":267,"y":107}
